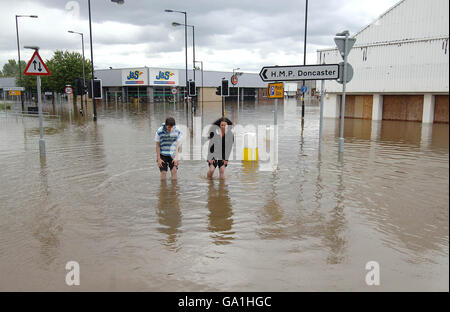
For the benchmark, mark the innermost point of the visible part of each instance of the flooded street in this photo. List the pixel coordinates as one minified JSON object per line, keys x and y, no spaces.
{"x":312,"y":225}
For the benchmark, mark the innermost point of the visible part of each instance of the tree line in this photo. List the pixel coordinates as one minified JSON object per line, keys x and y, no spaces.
{"x":64,"y":67}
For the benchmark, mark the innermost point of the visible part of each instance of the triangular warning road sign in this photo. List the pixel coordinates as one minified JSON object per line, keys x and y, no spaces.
{"x":36,"y":66}
{"x":340,"y":42}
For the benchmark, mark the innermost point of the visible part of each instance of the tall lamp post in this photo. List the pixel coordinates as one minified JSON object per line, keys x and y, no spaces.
{"x":18,"y":53}
{"x":84,"y":74}
{"x":185,"y":45}
{"x":92,"y":55}
{"x":193,"y":43}
{"x":304,"y":58}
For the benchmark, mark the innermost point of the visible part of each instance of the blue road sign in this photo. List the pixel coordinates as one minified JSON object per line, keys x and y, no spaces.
{"x":304,"y":89}
{"x":272,"y":90}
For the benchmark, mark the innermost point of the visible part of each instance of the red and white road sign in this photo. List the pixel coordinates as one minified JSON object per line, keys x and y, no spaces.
{"x":68,"y":90}
{"x":36,"y":66}
{"x":174,"y":91}
{"x":234,"y":79}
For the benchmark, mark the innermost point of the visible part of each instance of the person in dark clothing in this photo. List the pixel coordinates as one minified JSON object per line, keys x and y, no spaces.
{"x":221,"y":141}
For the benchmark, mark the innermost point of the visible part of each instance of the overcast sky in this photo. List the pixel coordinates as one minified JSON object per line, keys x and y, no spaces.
{"x":228,"y":34}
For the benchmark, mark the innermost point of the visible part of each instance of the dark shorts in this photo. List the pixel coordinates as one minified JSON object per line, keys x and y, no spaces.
{"x":216,"y":163}
{"x":167,"y":163}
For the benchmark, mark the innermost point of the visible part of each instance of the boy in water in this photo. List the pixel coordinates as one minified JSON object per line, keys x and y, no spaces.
{"x":168,"y":142}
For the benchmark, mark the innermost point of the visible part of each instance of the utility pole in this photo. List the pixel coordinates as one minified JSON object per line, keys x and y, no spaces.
{"x":304,"y":58}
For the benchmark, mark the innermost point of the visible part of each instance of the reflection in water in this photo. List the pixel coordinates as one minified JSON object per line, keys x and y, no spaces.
{"x":47,"y":224}
{"x":220,"y":213}
{"x":93,"y":197}
{"x":336,"y":226}
{"x":272,"y":215}
{"x":399,"y":131}
{"x":169,"y":213}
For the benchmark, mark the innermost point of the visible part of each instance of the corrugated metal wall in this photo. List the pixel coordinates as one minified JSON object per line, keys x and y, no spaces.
{"x":404,"y":51}
{"x":408,"y":19}
{"x":410,"y":67}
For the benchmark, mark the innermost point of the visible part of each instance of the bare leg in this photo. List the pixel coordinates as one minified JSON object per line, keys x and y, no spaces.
{"x":222,"y":172}
{"x":210,"y":171}
{"x":163,"y":175}
{"x":174,"y":172}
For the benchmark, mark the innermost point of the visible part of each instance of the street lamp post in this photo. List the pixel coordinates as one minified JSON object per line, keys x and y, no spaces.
{"x":84,"y":74}
{"x":185,"y":45}
{"x":92,"y":55}
{"x":304,"y":58}
{"x":18,"y":53}
{"x":193,"y":44}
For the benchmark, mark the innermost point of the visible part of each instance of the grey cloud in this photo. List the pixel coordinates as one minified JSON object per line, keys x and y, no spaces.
{"x":264,"y":26}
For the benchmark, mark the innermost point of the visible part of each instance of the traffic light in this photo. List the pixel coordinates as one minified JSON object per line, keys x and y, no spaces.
{"x":225,"y":90}
{"x":219,"y":91}
{"x":79,"y":87}
{"x":97,"y":88}
{"x":192,"y":90}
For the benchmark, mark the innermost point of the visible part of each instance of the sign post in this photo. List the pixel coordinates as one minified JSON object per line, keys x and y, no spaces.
{"x":225,"y":92}
{"x":344,"y":46}
{"x":300,"y":73}
{"x":275,"y":91}
{"x":37,"y":67}
{"x":322,"y":93}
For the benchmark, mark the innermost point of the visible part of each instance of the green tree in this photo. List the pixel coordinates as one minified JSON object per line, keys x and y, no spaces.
{"x":11,"y":69}
{"x":64,"y":68}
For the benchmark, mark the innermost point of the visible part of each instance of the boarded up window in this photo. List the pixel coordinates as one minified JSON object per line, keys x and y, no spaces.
{"x":441,"y":108}
{"x":403,"y":107}
{"x":358,"y":106}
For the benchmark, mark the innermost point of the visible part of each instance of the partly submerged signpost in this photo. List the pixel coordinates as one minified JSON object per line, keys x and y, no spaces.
{"x":342,"y":73}
{"x":37,"y":67}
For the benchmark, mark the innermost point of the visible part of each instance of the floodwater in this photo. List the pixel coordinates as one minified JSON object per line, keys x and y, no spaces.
{"x":312,"y":225}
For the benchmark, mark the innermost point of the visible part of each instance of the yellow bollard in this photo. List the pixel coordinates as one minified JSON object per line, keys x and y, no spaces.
{"x":250,"y":149}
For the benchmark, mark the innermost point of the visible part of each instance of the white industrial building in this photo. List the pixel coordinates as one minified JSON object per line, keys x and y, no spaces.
{"x":401,"y":66}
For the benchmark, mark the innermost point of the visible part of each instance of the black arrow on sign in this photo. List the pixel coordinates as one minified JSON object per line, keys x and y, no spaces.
{"x":262,"y":74}
{"x":34,"y":63}
{"x":40,"y":68}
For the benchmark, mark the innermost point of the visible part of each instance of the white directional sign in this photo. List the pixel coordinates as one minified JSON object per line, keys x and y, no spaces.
{"x":298,"y":72}
{"x":36,"y":66}
{"x":13,"y":89}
